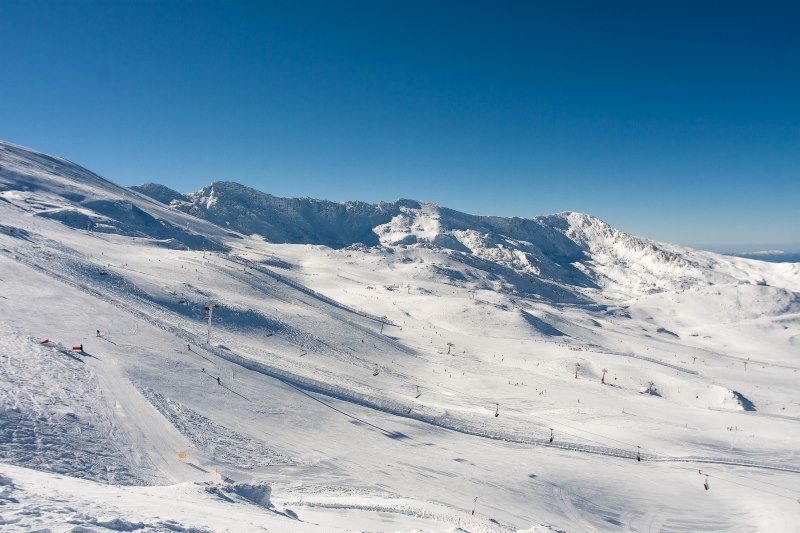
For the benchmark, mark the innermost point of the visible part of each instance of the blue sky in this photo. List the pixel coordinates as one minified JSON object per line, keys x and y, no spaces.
{"x":672,"y":120}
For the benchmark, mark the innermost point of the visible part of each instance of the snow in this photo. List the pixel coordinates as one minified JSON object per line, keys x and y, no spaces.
{"x":459,"y":315}
{"x":62,"y":428}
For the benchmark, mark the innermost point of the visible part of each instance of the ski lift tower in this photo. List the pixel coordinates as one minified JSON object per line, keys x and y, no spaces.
{"x":209,"y":307}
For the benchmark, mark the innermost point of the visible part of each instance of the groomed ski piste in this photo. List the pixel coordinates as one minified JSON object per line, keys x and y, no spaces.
{"x":445,"y":373}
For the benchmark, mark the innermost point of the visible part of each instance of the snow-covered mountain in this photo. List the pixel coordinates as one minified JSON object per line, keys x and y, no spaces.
{"x":53,"y":188}
{"x":245,"y":362}
{"x":161,"y":193}
{"x":572,"y":249}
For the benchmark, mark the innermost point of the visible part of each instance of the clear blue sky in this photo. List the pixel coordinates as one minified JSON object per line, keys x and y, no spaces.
{"x":678,"y":121}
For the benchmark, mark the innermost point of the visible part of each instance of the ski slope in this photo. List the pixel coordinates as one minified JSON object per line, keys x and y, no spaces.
{"x":379,"y":386}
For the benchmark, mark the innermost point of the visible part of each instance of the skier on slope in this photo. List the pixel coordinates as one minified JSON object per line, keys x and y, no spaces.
{"x":218,"y":381}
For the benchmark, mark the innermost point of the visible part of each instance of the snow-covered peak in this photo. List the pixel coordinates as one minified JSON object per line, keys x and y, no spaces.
{"x":574,"y":251}
{"x":50,"y":187}
{"x":161,"y":193}
{"x":288,"y":220}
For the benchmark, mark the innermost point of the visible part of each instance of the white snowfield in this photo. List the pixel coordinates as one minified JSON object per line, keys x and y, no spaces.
{"x":389,"y":367}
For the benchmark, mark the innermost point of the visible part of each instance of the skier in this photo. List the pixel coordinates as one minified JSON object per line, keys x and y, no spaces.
{"x":81,"y":348}
{"x":189,"y":347}
{"x":203,"y":369}
{"x":218,"y":382}
{"x":98,"y":332}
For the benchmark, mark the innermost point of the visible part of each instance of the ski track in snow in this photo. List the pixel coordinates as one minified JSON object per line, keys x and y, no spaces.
{"x":53,"y":414}
{"x":218,"y":442}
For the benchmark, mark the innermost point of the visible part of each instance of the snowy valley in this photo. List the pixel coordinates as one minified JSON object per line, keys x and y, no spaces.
{"x":246,"y":362}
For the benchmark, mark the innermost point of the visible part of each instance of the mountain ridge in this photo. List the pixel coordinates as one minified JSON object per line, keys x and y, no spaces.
{"x":577,"y":248}
{"x":575,"y":251}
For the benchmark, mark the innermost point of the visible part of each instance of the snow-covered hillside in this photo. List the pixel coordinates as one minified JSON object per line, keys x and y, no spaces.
{"x":572,"y":249}
{"x":389,"y":367}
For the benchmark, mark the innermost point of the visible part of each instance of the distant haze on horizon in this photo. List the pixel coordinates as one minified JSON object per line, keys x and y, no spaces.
{"x":673,"y":122}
